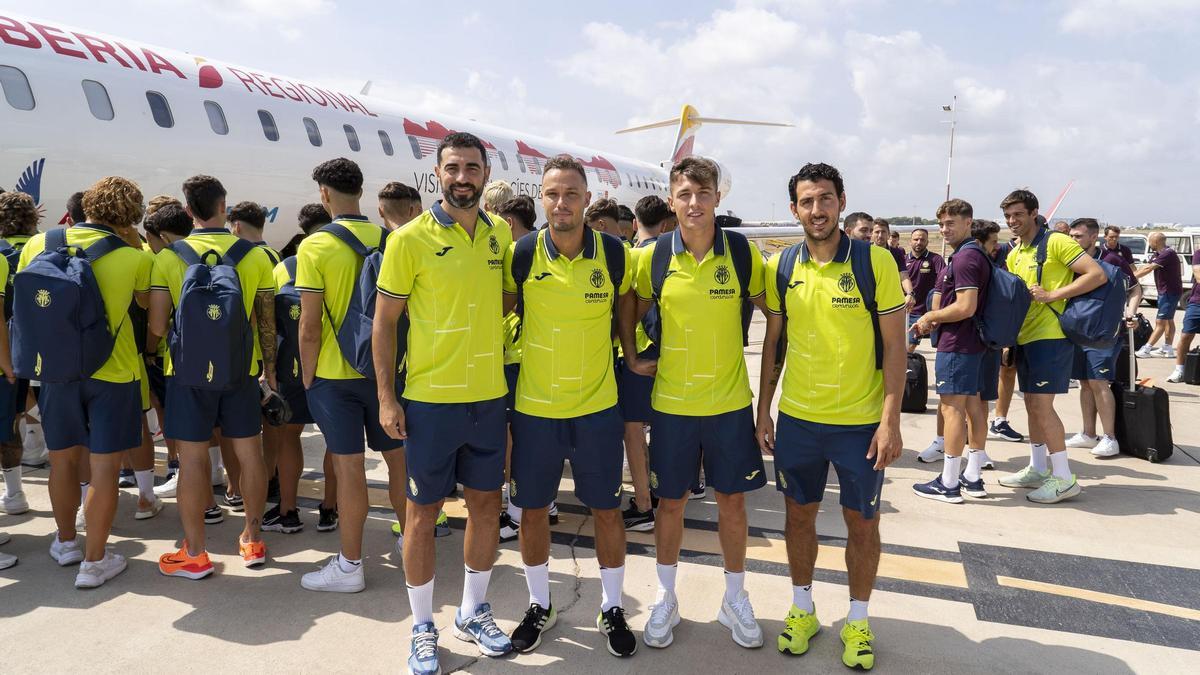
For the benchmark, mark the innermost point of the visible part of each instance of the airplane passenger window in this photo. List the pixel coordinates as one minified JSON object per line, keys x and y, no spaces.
{"x":160,"y":109}
{"x":97,"y":99}
{"x":352,"y":137}
{"x":16,"y":88}
{"x":386,"y":142}
{"x":314,"y":133}
{"x":216,"y":118}
{"x":268,"y":125}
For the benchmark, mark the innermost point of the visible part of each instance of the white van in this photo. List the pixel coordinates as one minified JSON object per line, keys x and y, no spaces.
{"x":1184,"y":242}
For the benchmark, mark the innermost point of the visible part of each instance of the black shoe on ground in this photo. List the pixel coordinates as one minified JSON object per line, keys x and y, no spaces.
{"x":527,"y":636}
{"x":213,"y":516}
{"x":287,"y":523}
{"x":126,"y":479}
{"x":509,"y":528}
{"x":235,"y":503}
{"x":621,"y":641}
{"x":327,"y":520}
{"x":638,"y":521}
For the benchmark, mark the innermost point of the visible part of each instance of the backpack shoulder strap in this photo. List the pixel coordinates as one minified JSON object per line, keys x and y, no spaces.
{"x":739,"y":251}
{"x":522,"y":260}
{"x":238,"y":251}
{"x":864,"y":277}
{"x":660,"y":262}
{"x":5,"y":247}
{"x":614,"y":260}
{"x":783,"y":274}
{"x":347,"y":237}
{"x":1043,"y":241}
{"x":289,"y":264}
{"x":103,"y":247}
{"x":56,"y":239}
{"x":186,"y":253}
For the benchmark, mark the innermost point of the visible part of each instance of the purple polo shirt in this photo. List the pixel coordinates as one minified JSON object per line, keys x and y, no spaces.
{"x":1168,"y":277}
{"x":1195,"y":296}
{"x":966,"y":269}
{"x":1115,"y":259}
{"x":1122,"y":250}
{"x":898,"y":254}
{"x":923,"y":271}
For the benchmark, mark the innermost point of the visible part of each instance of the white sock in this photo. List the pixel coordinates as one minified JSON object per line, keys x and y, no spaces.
{"x":974,"y":465}
{"x":475,"y":585}
{"x":1178,"y":370}
{"x":514,"y":512}
{"x":420,"y":600}
{"x":35,"y":413}
{"x":734,"y":583}
{"x":666,"y":580}
{"x":950,"y":471}
{"x":1037,"y":457}
{"x":1061,"y":465}
{"x":998,"y":420}
{"x":83,"y":490}
{"x":537,"y":578}
{"x":858,"y":610}
{"x":347,"y":565}
{"x":12,"y":480}
{"x":802,"y":598}
{"x":145,"y":483}
{"x":612,"y":580}
{"x":214,"y":456}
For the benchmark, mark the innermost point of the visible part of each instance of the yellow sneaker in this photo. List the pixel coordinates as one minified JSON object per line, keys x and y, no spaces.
{"x":857,"y":638}
{"x":799,"y":627}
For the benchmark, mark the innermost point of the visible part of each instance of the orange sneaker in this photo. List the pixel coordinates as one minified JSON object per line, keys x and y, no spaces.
{"x":180,"y":564}
{"x":254,"y":553}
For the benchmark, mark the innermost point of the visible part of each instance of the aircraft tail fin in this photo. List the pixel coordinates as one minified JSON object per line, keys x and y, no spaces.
{"x":688,"y":122}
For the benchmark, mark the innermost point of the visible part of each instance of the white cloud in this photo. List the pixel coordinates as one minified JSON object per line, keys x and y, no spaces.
{"x":1117,"y":17}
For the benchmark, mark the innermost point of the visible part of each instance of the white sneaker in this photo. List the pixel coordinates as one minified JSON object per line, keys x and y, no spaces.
{"x":1176,"y":375}
{"x":94,"y":574}
{"x":1165,"y":351}
{"x":1145,"y":352}
{"x":1107,"y":447}
{"x":664,"y":616}
{"x":1082,"y":440}
{"x":332,"y":579}
{"x":7,"y":561}
{"x":738,"y":617}
{"x":66,"y":552}
{"x":4,"y":538}
{"x":936,"y":452}
{"x":15,"y":503}
{"x":80,"y":520}
{"x":150,"y":511}
{"x":168,"y":488}
{"x":34,"y":442}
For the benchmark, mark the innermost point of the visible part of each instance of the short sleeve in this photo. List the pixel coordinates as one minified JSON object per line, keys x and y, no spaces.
{"x":160,"y":270}
{"x":399,"y":272}
{"x":264,"y":268}
{"x":644,"y":289}
{"x":281,"y":276}
{"x":770,"y":270}
{"x":969,"y":272}
{"x":510,"y":282}
{"x":888,"y":295}
{"x":757,"y":281}
{"x":308,"y":272}
{"x":141,"y":278}
{"x":626,"y":279}
{"x":1064,"y":249}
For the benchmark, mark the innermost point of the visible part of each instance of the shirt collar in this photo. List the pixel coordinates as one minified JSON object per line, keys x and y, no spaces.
{"x":589,"y":244}
{"x":446,"y":220}
{"x":352,"y":216}
{"x":917,"y":257}
{"x":97,"y":226}
{"x":843,"y":250}
{"x":677,"y":246}
{"x":642,"y":243}
{"x":211,"y":230}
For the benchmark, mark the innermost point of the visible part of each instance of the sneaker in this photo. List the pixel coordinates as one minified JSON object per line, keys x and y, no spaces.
{"x":149,"y":511}
{"x":936,"y":452}
{"x":621,"y":641}
{"x":181,"y":564}
{"x":1145,"y":352}
{"x":638,"y":521}
{"x":34,"y":441}
{"x":287,"y":523}
{"x":423,"y":660}
{"x":80,"y":520}
{"x":664,"y":616}
{"x":699,"y":490}
{"x":1055,"y":490}
{"x":14,"y":503}
{"x":483,"y":631}
{"x":738,"y":617}
{"x":528,"y":635}
{"x":798,"y":628}
{"x":7,"y":560}
{"x":214,"y":515}
{"x":1107,"y":447}
{"x":972,"y":488}
{"x":441,"y":526}
{"x":167,"y":489}
{"x":509,"y":528}
{"x":1165,"y":351}
{"x":254,"y":553}
{"x":1001,"y":431}
{"x":1082,"y":440}
{"x":935,"y":490}
{"x":4,"y":538}
{"x":856,"y":639}
{"x":235,"y":503}
{"x":66,"y":552}
{"x":988,"y":464}
{"x":125,"y":478}
{"x":218,"y":475}
{"x":1176,"y":376}
{"x":553,"y":513}
{"x":94,"y":574}
{"x":332,"y":579}
{"x":1025,"y":478}
{"x":327,"y":519}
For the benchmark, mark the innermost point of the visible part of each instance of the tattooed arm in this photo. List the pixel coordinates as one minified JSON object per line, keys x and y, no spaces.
{"x":264,"y":312}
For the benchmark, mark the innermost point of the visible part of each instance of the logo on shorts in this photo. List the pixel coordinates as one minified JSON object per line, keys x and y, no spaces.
{"x":1103,"y":370}
{"x":941,"y":382}
{"x":42,"y":298}
{"x":874,"y":500}
{"x":618,"y":492}
{"x":779,"y":478}
{"x":493,"y":245}
{"x":1041,"y":384}
{"x":512,"y":488}
{"x":597,"y":278}
{"x":37,"y":367}
{"x":214,"y":312}
{"x":752,"y":475}
{"x":846,"y":282}
{"x":721,"y":275}
{"x":412,"y":486}
{"x":653,"y":480}
{"x":294,"y":312}
{"x":209,"y":376}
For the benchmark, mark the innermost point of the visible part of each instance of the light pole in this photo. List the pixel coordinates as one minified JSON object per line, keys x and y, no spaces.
{"x":953,"y":110}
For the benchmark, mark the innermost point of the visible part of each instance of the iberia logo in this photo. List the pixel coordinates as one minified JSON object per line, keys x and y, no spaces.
{"x":210,"y":77}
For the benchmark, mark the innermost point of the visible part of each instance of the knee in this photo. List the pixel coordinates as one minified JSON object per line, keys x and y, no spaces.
{"x":732,"y":504}
{"x":608,"y":517}
{"x":859,"y":528}
{"x":671,"y":507}
{"x":420,"y":516}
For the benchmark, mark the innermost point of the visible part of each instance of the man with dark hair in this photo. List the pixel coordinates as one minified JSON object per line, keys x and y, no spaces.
{"x":838,"y":405}
{"x":625,"y":224}
{"x":923,"y":268}
{"x":894,"y":240}
{"x":1043,"y":353}
{"x":880,"y":232}
{"x":398,"y":204}
{"x":75,"y":214}
{"x":1112,"y":241}
{"x":446,"y":270}
{"x":602,"y":216}
{"x":1165,"y":264}
{"x":520,"y":215}
{"x":312,"y":216}
{"x":701,"y":393}
{"x":858,"y":225}
{"x":246,"y":221}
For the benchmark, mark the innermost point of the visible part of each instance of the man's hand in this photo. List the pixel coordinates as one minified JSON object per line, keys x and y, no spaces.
{"x":924,"y":325}
{"x":909,"y":302}
{"x":391,"y":418}
{"x":886,"y":445}
{"x":271,"y":380}
{"x":1041,"y":295}
{"x":765,"y":433}
{"x":643,"y":367}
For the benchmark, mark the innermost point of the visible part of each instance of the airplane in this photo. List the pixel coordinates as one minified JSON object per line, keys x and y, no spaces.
{"x":80,"y":105}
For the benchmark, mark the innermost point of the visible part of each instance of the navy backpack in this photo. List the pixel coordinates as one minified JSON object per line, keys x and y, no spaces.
{"x":287,"y":327}
{"x":660,"y":264}
{"x":1093,"y":319}
{"x":1007,"y":304}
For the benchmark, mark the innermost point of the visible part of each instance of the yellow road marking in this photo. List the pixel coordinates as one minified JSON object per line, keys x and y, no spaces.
{"x":1097,"y":596}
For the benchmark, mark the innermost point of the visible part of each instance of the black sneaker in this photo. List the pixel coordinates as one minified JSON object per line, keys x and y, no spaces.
{"x":234,"y":502}
{"x":638,"y":521}
{"x":509,"y":528}
{"x":213,"y":516}
{"x":126,"y":479}
{"x":527,"y":636}
{"x":699,"y":489}
{"x":273,"y":490}
{"x":553,"y":513}
{"x":327,"y":520}
{"x":621,"y":641}
{"x":287,"y":523}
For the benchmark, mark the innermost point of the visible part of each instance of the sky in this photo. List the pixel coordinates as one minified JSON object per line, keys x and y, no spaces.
{"x":1102,"y":92}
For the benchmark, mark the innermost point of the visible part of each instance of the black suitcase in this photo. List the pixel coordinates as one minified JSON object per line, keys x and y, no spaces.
{"x":1191,"y":367}
{"x":1122,"y":375}
{"x":1143,"y":420}
{"x":916,"y":386}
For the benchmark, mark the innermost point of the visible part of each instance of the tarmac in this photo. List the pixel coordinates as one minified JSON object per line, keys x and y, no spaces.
{"x":1108,"y":582}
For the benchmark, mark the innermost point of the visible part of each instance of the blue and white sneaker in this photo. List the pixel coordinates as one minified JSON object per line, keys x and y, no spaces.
{"x":935,"y":490}
{"x":424,"y":659}
{"x":1001,"y":431}
{"x":972,"y":488}
{"x":483,"y":631}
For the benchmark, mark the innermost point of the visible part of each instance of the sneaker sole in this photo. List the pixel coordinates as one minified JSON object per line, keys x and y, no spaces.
{"x":640,"y":527}
{"x":16,"y":511}
{"x":1001,"y":437}
{"x":729,"y":624}
{"x":1106,"y":455}
{"x":67,"y":561}
{"x":467,"y":637}
{"x":670,"y":635}
{"x":608,"y":644}
{"x":326,"y":528}
{"x":184,"y":574}
{"x":1020,"y":486}
{"x":975,"y":495}
{"x":340,"y":589}
{"x":256,"y":562}
{"x":436,"y":672}
{"x":693,"y":496}
{"x":147,"y":515}
{"x":284,"y":529}
{"x":939,"y":498}
{"x":97,"y":582}
{"x":1074,"y":491}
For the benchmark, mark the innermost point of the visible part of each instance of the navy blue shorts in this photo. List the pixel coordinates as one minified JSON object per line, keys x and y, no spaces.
{"x":1167,"y":304}
{"x":803,"y":451}
{"x":913,"y":338}
{"x":958,"y":374}
{"x":104,"y":417}
{"x":732,"y":460}
{"x":633,"y":390}
{"x":1044,"y":366}
{"x":158,"y":382}
{"x":989,"y":375}
{"x":1191,"y":318}
{"x":347,"y":412}
{"x":451,"y":443}
{"x":593,"y":443}
{"x":297,"y":400}
{"x":511,"y":372}
{"x":1096,"y":364}
{"x":193,"y":413}
{"x":8,"y":408}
